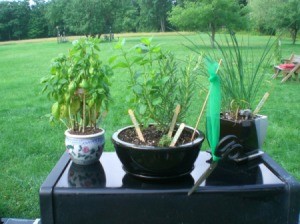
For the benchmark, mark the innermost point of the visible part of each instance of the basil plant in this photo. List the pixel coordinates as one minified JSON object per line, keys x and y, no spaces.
{"x":79,"y":84}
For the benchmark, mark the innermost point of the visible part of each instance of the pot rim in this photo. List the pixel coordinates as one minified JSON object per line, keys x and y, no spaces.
{"x":118,"y":141}
{"x":257,"y":116}
{"x":67,"y":134}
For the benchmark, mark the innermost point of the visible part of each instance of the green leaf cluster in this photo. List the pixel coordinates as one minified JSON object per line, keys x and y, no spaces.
{"x":80,"y":86}
{"x":157,"y":82}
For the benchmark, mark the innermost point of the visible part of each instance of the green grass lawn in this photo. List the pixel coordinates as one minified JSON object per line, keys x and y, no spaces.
{"x":30,"y":147}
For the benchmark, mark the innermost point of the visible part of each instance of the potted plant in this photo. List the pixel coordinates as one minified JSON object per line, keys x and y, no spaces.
{"x":158,"y":86}
{"x":79,"y":85}
{"x":241,"y":75}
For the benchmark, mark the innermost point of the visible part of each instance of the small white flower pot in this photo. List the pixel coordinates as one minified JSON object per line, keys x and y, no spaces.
{"x":85,"y":149}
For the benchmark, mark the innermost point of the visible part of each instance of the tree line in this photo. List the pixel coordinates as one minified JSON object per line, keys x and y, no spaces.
{"x":20,"y":19}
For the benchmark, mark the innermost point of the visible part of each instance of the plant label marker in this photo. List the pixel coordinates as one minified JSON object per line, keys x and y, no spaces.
{"x":261,"y":103}
{"x":136,"y":125}
{"x":199,"y":118}
{"x":177,"y":135}
{"x":172,"y":126}
{"x":220,"y":62}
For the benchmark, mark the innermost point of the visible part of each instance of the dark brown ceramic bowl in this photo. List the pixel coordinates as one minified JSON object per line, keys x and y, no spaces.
{"x":158,"y":162}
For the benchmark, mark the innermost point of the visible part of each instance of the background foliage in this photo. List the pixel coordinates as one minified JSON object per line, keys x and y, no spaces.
{"x":21,"y":20}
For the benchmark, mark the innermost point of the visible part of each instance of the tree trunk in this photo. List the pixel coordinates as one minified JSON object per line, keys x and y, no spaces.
{"x":213,"y":34}
{"x":162,"y":25}
{"x":294,"y":33}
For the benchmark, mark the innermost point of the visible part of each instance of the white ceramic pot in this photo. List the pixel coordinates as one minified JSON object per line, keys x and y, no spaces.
{"x":85,"y":149}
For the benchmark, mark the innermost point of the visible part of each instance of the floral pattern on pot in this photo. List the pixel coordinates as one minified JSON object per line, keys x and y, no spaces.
{"x":84,"y":150}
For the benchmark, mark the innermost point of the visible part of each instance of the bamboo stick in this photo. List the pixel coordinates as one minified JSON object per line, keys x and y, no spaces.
{"x":199,"y":117}
{"x":177,"y":135}
{"x":136,"y":125}
{"x":261,"y":103}
{"x":172,"y":126}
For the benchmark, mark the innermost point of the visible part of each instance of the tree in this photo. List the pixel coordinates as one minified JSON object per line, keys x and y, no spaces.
{"x":55,"y":15}
{"x":14,"y":18}
{"x":153,"y":14}
{"x":289,"y":17}
{"x":127,"y":16}
{"x":272,"y":15}
{"x":208,"y":15}
{"x":38,"y":26}
{"x":89,"y":17}
{"x":263,"y":15}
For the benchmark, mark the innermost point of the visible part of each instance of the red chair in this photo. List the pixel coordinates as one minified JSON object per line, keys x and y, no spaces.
{"x":288,"y":68}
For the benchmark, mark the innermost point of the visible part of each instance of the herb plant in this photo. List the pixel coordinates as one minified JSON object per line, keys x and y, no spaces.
{"x":157,"y":81}
{"x":79,"y":85}
{"x":241,"y":73}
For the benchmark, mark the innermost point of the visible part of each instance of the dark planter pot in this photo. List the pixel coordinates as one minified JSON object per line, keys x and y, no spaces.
{"x":158,"y":162}
{"x":251,"y":133}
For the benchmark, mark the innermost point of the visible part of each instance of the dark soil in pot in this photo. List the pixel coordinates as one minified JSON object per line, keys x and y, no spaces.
{"x":87,"y":131}
{"x":152,"y":136}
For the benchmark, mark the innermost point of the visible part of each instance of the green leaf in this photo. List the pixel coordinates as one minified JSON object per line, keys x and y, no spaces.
{"x":112,"y":59}
{"x":140,"y":48}
{"x":45,"y":88}
{"x":121,"y":65}
{"x":120,"y":44}
{"x":91,"y":70}
{"x":137,"y":89}
{"x":156,"y":49}
{"x":146,"y":41}
{"x":164,"y":80}
{"x":64,"y":113}
{"x":136,"y":60}
{"x":84,"y":84}
{"x":157,"y":101}
{"x":55,"y":110}
{"x":74,"y":107}
{"x":72,"y":86}
{"x":142,"y":109}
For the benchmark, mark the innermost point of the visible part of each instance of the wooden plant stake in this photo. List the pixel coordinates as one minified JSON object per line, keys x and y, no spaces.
{"x":172,"y":126}
{"x":136,"y":125}
{"x":199,"y":118}
{"x":203,"y":107}
{"x":261,"y":103}
{"x":177,"y":135}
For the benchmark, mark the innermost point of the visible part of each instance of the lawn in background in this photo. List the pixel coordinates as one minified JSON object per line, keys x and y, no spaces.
{"x":30,"y":147}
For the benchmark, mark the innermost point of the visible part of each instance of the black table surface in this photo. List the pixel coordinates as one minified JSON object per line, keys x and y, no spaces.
{"x":109,"y":175}
{"x":259,"y":191}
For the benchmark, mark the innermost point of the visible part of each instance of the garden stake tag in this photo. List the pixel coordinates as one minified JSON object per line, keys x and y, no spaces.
{"x":199,"y":118}
{"x":261,"y":103}
{"x":177,"y":135}
{"x":203,"y":177}
{"x":136,"y":125}
{"x":172,"y":126}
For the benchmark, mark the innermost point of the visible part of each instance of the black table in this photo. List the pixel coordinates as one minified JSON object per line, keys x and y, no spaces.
{"x":259,"y":191}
